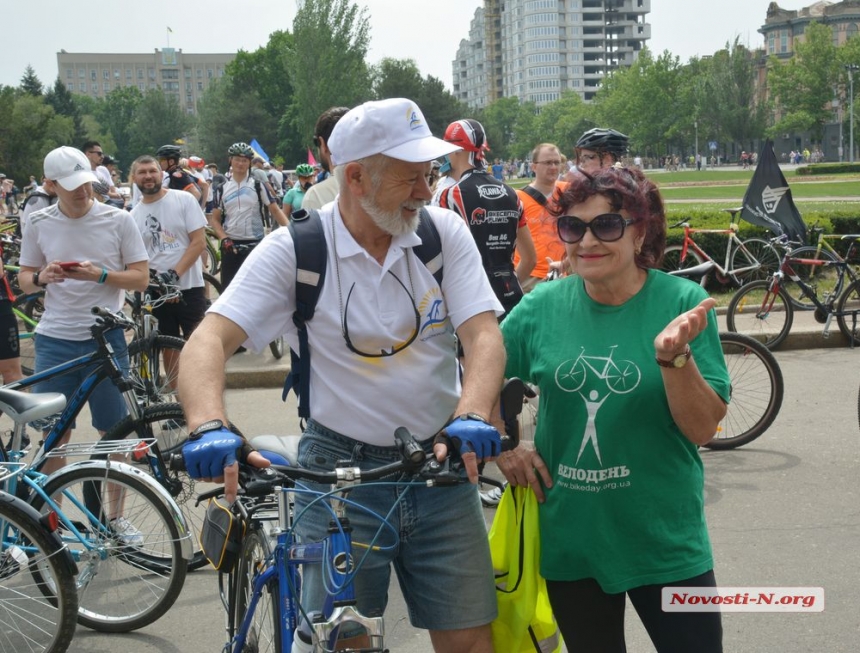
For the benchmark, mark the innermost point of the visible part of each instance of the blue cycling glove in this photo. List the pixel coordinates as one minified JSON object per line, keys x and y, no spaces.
{"x":472,"y":433}
{"x":207,"y":456}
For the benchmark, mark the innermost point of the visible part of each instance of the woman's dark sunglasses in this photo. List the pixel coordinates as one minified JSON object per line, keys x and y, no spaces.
{"x":607,"y":227}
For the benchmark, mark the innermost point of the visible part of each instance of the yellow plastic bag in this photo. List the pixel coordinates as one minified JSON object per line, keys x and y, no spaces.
{"x":525,"y":623}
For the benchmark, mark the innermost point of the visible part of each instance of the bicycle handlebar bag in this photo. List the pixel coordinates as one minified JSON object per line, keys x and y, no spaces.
{"x":221,"y":535}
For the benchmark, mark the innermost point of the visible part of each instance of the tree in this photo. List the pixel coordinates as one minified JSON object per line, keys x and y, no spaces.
{"x":63,"y":102}
{"x":158,"y":120}
{"x":562,"y":122}
{"x":802,"y":87}
{"x":401,"y":78}
{"x":116,"y":114}
{"x":642,"y":100}
{"x":511,"y":127}
{"x":327,"y":62}
{"x":30,"y":83}
{"x":225,"y":116}
{"x":265,"y":73}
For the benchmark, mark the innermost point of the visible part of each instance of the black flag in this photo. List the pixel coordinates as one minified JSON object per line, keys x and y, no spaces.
{"x":768,"y":202}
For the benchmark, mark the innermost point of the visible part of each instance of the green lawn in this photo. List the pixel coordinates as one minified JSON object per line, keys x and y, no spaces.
{"x":798,"y":190}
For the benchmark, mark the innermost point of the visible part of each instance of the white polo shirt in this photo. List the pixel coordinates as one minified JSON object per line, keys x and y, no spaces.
{"x":368,"y":398}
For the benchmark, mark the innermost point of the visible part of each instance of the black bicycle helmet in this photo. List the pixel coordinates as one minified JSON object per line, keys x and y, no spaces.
{"x":603,"y":140}
{"x":168,"y":152}
{"x":241,"y":149}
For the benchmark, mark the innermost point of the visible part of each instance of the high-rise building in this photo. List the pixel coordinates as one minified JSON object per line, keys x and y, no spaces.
{"x":180,"y":75}
{"x":536,"y":49}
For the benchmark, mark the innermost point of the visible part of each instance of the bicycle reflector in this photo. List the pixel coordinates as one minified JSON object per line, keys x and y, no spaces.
{"x":50,"y":521}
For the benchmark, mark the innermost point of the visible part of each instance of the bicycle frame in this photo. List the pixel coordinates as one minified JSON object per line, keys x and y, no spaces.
{"x":731,"y":232}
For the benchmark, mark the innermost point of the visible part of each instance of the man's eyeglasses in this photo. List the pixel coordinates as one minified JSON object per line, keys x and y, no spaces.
{"x":396,"y":348}
{"x":607,"y":227}
{"x":553,"y":163}
{"x":98,"y":152}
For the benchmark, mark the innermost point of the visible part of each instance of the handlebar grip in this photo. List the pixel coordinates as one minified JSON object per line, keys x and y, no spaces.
{"x":176,"y":463}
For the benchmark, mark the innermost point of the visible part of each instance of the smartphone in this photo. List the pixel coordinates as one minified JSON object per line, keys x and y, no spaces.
{"x":70,"y":264}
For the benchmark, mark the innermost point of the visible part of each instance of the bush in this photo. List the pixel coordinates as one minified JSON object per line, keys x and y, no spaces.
{"x":828,"y":169}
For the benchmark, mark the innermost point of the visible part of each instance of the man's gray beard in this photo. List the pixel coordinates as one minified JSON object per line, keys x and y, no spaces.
{"x":150,"y":191}
{"x":392,"y":222}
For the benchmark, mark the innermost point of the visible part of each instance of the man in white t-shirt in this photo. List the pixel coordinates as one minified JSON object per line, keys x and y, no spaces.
{"x":173,"y":227}
{"x":383,"y":355}
{"x":103,"y":184}
{"x":105,"y":245}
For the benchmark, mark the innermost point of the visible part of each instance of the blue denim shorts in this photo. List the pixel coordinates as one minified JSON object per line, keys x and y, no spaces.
{"x":442,"y":559}
{"x":107,"y":405}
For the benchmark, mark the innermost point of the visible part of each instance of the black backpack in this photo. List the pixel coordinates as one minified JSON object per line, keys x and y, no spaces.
{"x":311,"y":258}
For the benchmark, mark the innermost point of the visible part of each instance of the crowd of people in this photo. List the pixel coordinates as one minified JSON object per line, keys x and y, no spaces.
{"x":614,"y":464}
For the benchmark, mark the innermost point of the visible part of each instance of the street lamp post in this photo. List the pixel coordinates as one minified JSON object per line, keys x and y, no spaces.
{"x":851,"y":67}
{"x":696,"y":125}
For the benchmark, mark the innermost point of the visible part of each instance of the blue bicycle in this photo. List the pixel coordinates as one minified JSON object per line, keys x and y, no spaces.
{"x":124,"y":531}
{"x":261,"y":591}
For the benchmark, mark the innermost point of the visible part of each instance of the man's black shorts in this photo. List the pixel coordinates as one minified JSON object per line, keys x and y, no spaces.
{"x":181,"y":318}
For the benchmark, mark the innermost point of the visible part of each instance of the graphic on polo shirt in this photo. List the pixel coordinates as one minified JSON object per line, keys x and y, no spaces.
{"x":617,"y":377}
{"x":434,"y":315}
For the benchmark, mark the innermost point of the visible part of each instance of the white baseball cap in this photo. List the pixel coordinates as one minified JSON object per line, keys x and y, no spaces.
{"x":69,"y":167}
{"x":394,"y":127}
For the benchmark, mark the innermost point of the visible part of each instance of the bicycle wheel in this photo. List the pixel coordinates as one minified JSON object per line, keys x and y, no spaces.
{"x":757,"y":390}
{"x":757,"y":254}
{"x":166,"y":423}
{"x":153,"y":379}
{"x":849,"y":303}
{"x":33,"y":307}
{"x":213,"y":256}
{"x":821,"y":279}
{"x":27,"y":351}
{"x":672,"y":261}
{"x":38,"y":598}
{"x":263,"y":635}
{"x":129,"y":555}
{"x":757,"y":311}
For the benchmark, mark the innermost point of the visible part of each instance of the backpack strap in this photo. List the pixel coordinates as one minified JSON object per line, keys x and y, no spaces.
{"x":430,"y":249}
{"x":306,"y":229}
{"x":535,"y":194}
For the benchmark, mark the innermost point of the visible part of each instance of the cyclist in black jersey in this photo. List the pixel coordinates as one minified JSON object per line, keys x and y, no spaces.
{"x":492,"y":210}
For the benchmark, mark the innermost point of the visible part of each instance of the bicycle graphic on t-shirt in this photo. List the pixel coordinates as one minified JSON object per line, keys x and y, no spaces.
{"x":621,"y":376}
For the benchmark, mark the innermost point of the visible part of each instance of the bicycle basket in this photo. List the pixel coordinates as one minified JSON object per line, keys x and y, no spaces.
{"x":221,"y":535}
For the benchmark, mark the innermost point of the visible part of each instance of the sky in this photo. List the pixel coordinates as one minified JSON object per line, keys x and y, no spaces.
{"x":428,"y":32}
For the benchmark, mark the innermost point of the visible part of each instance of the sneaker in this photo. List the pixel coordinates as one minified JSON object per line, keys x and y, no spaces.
{"x":126,"y":532}
{"x":491,"y":497}
{"x":12,"y":561}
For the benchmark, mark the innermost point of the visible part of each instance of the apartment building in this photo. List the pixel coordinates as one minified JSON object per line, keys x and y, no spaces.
{"x":182,"y":75}
{"x":536,"y":49}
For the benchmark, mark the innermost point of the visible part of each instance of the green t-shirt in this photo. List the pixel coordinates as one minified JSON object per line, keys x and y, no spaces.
{"x":627,"y":503}
{"x":294,"y":197}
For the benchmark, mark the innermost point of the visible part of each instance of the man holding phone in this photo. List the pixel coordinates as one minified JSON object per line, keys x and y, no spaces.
{"x":82,"y":253}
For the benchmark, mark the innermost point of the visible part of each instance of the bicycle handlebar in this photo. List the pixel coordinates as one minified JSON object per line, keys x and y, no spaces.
{"x":107,"y":320}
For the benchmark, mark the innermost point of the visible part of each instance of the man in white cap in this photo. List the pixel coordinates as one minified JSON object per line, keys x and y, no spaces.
{"x":82,"y":253}
{"x":383,"y":355}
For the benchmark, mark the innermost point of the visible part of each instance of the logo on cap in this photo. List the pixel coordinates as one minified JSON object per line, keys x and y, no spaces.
{"x":78,"y":166}
{"x":414,"y":119}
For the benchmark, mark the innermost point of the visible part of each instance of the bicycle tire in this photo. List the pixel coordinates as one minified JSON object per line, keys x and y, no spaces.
{"x":32,"y":306}
{"x":153,"y":382}
{"x":166,"y":423}
{"x":213,"y":264}
{"x":672,"y":261}
{"x":821,"y":279}
{"x":849,"y":325}
{"x":27,"y":353}
{"x":757,"y":391}
{"x":756,"y":311}
{"x":763,"y":252}
{"x":263,"y":635}
{"x":38,"y":616}
{"x":111,"y":583}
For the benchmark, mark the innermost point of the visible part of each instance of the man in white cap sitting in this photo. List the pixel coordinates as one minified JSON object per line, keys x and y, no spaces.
{"x":383,"y":355}
{"x":82,"y":253}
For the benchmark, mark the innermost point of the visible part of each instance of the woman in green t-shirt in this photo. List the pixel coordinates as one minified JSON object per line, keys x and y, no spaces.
{"x":632,"y":380}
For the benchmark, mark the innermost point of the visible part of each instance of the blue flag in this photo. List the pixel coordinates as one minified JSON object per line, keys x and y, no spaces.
{"x":259,"y":150}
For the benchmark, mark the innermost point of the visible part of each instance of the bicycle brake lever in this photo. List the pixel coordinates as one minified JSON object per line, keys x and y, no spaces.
{"x":439,"y":474}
